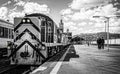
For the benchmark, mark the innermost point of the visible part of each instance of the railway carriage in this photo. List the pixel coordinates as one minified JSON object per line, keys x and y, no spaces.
{"x":36,"y":38}
{"x":6,"y":36}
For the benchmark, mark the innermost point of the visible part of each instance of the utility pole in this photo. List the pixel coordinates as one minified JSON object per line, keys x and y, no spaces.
{"x":105,"y":25}
{"x":108,"y":32}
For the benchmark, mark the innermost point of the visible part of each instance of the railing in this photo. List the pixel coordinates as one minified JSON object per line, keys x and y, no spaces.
{"x":111,"y":41}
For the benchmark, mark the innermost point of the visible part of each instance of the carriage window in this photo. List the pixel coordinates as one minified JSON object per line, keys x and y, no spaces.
{"x":10,"y":33}
{"x":6,"y":32}
{"x":1,"y":31}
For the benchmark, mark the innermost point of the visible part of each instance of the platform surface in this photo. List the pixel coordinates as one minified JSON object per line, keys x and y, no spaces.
{"x":53,"y":44}
{"x":83,"y":59}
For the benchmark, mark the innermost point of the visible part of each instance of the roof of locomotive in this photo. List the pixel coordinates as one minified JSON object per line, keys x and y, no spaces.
{"x":38,"y":15}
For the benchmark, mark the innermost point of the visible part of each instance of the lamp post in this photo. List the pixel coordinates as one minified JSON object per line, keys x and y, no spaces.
{"x":105,"y":25}
{"x":108,"y":32}
{"x":105,"y":29}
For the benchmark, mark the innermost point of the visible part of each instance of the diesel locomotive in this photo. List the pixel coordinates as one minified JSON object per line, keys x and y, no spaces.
{"x":36,"y":39}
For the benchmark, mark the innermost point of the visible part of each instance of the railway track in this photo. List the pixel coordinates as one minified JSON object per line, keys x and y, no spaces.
{"x":5,"y":68}
{"x":15,"y":69}
{"x":23,"y":69}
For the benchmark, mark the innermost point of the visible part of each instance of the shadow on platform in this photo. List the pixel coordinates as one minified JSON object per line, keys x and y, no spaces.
{"x":71,"y":54}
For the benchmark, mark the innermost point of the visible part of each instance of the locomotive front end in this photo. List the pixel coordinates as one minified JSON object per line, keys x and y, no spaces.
{"x":27,"y":42}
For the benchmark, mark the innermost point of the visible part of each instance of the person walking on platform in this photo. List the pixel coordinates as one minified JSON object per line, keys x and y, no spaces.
{"x":99,"y":43}
{"x":102,"y":43}
{"x":88,"y":43}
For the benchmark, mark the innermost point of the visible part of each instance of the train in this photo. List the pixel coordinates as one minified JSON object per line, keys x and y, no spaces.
{"x":36,"y":39}
{"x":6,"y":36}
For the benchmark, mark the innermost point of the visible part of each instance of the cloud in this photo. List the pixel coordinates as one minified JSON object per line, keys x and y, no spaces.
{"x":67,"y":24}
{"x":16,"y":0}
{"x":15,"y":14}
{"x":28,"y":8}
{"x":83,"y":27}
{"x":109,"y":9}
{"x":66,"y":11}
{"x":70,"y":25}
{"x":31,"y":7}
{"x":3,"y":13}
{"x":78,"y":4}
{"x":66,"y":17}
{"x":114,"y":25}
{"x":82,"y":24}
{"x":13,"y":10}
{"x":20,"y":3}
{"x":106,"y":10}
{"x":90,"y":27}
{"x":6,"y":3}
{"x":83,"y":14}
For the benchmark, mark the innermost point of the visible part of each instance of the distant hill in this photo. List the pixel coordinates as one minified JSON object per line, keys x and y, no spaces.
{"x":93,"y":36}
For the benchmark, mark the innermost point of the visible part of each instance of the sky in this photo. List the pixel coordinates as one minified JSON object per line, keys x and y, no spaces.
{"x":77,"y":15}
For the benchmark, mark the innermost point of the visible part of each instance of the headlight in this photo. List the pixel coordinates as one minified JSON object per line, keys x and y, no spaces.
{"x":43,"y":47}
{"x":8,"y":47}
{"x":23,"y":20}
{"x":28,"y":20}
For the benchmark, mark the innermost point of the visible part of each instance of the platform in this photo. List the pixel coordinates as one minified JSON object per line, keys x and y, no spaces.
{"x":53,"y":44}
{"x":83,"y":59}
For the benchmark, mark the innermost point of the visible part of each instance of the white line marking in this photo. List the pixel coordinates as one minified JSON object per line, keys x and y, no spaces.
{"x":38,"y":69}
{"x":57,"y":66}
